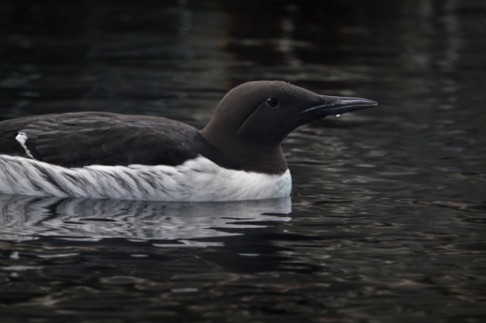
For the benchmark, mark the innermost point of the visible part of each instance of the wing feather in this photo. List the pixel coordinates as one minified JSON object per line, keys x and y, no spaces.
{"x":80,"y":139}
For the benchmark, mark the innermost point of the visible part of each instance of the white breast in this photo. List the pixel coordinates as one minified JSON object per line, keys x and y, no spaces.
{"x":195,"y":180}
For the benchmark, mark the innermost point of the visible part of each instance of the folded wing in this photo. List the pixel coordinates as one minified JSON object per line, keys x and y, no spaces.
{"x":90,"y":138}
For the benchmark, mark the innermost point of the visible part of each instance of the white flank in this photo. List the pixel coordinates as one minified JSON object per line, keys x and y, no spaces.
{"x":196,"y":180}
{"x":22,"y":139}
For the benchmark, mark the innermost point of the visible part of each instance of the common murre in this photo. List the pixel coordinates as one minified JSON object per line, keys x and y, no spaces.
{"x":236,"y":156}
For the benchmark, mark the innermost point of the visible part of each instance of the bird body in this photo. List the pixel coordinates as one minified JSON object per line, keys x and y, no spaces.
{"x":237,"y":156}
{"x":196,"y":179}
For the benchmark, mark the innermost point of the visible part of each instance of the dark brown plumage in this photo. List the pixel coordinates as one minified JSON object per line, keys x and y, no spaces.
{"x":245,"y":132}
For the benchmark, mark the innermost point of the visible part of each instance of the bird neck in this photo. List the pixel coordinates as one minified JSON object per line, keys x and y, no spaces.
{"x":248,"y":156}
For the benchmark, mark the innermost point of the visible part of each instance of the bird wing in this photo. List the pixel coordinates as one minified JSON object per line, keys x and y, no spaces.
{"x":81,"y":139}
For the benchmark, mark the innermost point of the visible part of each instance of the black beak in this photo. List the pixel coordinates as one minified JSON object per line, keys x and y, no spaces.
{"x":334,"y":105}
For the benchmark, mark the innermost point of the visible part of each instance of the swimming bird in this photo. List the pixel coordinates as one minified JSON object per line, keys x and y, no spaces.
{"x":236,"y":156}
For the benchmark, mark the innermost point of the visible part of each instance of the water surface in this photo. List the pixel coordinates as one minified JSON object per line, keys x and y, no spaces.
{"x":387,"y":217}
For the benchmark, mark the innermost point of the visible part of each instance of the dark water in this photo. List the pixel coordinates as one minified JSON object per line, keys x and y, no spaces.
{"x":387,"y":219}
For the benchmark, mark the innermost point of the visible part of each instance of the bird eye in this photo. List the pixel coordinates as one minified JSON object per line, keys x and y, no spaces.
{"x":272,"y":102}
